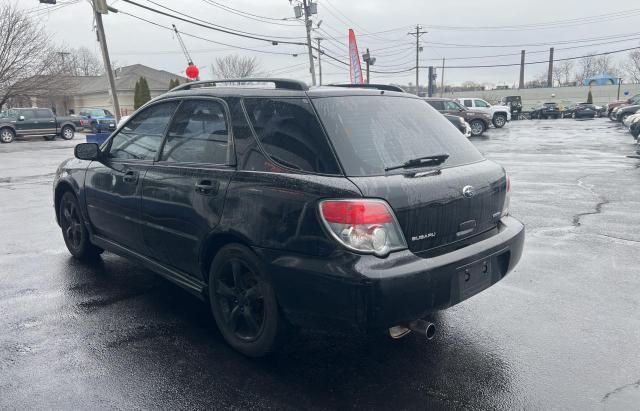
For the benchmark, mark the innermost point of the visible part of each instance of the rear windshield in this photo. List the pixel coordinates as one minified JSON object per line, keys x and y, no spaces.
{"x":371,"y":133}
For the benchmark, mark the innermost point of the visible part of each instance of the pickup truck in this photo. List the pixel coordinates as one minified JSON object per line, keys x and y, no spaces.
{"x":101,"y":120}
{"x":499,"y":114}
{"x":19,"y":122}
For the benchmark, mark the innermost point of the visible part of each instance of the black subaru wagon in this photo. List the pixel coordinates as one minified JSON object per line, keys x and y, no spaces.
{"x":286,"y":206}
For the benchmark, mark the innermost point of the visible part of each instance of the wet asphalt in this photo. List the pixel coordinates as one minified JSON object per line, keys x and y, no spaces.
{"x":562,"y":331}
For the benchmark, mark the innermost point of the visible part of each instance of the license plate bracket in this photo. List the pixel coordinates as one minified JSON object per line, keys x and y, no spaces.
{"x":474,"y":277}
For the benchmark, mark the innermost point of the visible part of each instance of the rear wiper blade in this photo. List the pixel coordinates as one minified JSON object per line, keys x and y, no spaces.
{"x":434,"y":159}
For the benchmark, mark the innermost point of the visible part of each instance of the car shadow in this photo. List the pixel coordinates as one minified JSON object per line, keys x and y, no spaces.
{"x":157,"y":331}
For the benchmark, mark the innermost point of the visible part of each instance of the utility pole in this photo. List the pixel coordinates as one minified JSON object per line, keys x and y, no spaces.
{"x":100,"y":8}
{"x":442,"y":79}
{"x":307,"y":23}
{"x":430,"y":82}
{"x":418,"y":33}
{"x":370,"y":62}
{"x":550,"y":74}
{"x":319,"y":39}
{"x":619,"y":84}
{"x":521,"y":85}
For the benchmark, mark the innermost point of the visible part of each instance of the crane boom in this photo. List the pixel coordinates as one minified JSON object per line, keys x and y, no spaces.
{"x":184,"y":48}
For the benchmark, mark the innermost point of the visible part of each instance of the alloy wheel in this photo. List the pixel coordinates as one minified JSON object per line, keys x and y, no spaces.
{"x":500,"y":121}
{"x":71,"y":224}
{"x":6,"y":136}
{"x":476,"y":128}
{"x":240,"y":300}
{"x":67,"y":133}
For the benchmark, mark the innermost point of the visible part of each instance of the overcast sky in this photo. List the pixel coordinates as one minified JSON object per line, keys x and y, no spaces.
{"x":133,"y":41}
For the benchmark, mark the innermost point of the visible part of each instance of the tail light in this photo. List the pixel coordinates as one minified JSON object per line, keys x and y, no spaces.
{"x":366,"y":226}
{"x":507,"y":198}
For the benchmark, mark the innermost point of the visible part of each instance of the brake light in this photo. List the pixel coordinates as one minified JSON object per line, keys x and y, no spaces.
{"x":507,"y":198}
{"x":363,"y":225}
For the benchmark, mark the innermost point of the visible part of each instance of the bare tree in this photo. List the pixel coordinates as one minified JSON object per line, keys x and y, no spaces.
{"x":586,"y":68}
{"x":234,"y":66}
{"x":82,"y":62}
{"x":29,"y":66}
{"x":605,"y":65}
{"x":632,"y":66}
{"x":563,"y":72}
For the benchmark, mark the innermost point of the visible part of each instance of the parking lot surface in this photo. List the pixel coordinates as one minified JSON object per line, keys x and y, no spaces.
{"x":561,"y":331}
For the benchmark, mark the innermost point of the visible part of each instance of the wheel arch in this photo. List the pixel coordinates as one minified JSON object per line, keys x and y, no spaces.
{"x":210,"y":247}
{"x":10,"y":127}
{"x":61,"y":189}
{"x":68,"y":124}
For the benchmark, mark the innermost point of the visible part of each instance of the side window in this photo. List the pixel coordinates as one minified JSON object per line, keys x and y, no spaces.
{"x":468,"y":103}
{"x":28,"y":114}
{"x":43,"y":113}
{"x":438,"y":105}
{"x":481,"y":103}
{"x":450,"y":105}
{"x":140,"y":138}
{"x":198,"y":134}
{"x":291,"y":135}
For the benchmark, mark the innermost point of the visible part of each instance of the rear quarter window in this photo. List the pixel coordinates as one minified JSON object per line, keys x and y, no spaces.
{"x":290,"y":133}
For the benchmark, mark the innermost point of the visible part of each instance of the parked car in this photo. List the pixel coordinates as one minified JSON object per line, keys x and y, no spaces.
{"x":500,"y":115}
{"x":514,"y":103}
{"x":623,"y":112}
{"x":460,"y":124}
{"x":546,"y":110}
{"x":20,"y":122}
{"x":635,"y":129}
{"x":327,"y":207}
{"x":478,"y":121}
{"x":615,"y":104}
{"x":102,"y":120}
{"x":631,"y":119}
{"x":580,"y":110}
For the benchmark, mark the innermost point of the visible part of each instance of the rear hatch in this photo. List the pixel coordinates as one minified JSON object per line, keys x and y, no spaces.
{"x":435,"y":204}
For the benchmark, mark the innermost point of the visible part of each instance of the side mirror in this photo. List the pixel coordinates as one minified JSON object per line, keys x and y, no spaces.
{"x":20,"y":118}
{"x":87,"y":151}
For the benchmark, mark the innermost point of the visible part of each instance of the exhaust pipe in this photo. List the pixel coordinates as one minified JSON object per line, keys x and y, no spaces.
{"x":423,"y":327}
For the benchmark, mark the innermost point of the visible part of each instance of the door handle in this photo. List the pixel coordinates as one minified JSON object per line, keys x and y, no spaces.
{"x":52,"y":121}
{"x":130,"y":177}
{"x":207,"y":187}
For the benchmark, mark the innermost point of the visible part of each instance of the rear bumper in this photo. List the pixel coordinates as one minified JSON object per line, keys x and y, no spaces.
{"x":364,"y":291}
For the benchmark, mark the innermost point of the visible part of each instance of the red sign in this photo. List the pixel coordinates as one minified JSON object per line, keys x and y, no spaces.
{"x":192,"y":72}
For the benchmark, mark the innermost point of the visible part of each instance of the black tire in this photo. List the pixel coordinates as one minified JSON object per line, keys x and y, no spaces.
{"x":499,"y":120}
{"x":635,"y":131}
{"x":7,"y":135}
{"x":625,"y":116}
{"x":74,"y":231}
{"x":49,"y":138}
{"x":67,"y":132}
{"x":612,"y":117}
{"x":243,"y":302}
{"x":477,"y":127}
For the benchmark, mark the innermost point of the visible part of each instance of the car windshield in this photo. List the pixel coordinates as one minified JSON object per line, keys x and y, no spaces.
{"x":371,"y":133}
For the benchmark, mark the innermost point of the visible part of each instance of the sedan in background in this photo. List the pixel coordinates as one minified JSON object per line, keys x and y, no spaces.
{"x":460,"y":124}
{"x":580,"y":110}
{"x":546,"y":110}
{"x":622,"y":113}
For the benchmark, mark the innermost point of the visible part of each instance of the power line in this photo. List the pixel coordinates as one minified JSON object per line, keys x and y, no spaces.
{"x":215,"y":25}
{"x":205,"y":39}
{"x":211,"y":27}
{"x":246,"y":14}
{"x":545,"y":25}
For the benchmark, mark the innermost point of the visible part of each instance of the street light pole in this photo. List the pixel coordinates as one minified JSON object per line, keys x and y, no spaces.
{"x":98,"y":10}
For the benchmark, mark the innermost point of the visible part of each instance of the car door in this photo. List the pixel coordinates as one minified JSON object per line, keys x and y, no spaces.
{"x":26,"y":123}
{"x":183,"y":192}
{"x":468,"y":103}
{"x":46,"y":121}
{"x":113,"y":186}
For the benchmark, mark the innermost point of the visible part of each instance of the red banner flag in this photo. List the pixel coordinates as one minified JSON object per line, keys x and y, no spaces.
{"x":355,"y":71}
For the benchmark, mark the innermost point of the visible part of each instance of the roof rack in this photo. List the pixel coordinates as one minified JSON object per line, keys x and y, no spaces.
{"x":278,"y":82}
{"x":385,"y":87}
